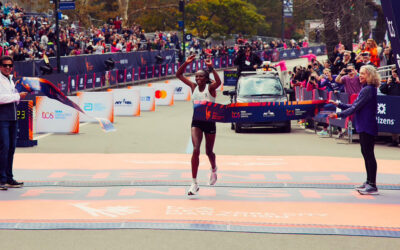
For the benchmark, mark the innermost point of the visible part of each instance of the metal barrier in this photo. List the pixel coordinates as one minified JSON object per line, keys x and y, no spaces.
{"x":385,"y":72}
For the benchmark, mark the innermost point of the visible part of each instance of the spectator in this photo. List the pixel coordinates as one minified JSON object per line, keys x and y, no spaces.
{"x":372,"y":48}
{"x":392,"y":87}
{"x":349,"y":78}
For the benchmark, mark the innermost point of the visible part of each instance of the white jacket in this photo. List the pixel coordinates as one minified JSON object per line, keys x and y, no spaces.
{"x":8,"y":93}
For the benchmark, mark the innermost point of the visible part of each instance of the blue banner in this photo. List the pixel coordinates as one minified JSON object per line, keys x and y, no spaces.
{"x":256,"y":112}
{"x":388,"y":115}
{"x":391,"y":9}
{"x":230,"y":77}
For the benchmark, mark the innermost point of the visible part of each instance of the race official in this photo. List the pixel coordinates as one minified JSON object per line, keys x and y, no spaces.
{"x":365,"y":109}
{"x":9,"y":98}
{"x":247,"y":60}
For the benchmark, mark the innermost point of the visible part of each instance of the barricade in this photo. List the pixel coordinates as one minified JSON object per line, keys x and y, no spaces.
{"x":385,"y":72}
{"x":126,"y":102}
{"x":54,"y":117}
{"x":147,"y":97}
{"x":164,"y":94}
{"x":182,"y":92}
{"x":96,"y":104}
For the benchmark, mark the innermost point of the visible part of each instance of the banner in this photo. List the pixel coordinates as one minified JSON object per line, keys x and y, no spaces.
{"x":54,"y":117}
{"x":31,"y":84}
{"x":388,"y":115}
{"x":391,"y":9}
{"x":230,"y":77}
{"x":84,"y":64}
{"x":96,"y":104}
{"x":147,"y":98}
{"x":182,"y":92}
{"x":164,"y":94}
{"x":256,"y":112}
{"x":126,"y":102}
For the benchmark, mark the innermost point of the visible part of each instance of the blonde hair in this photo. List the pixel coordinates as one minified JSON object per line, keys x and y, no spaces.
{"x":373,"y":78}
{"x":374,"y":45}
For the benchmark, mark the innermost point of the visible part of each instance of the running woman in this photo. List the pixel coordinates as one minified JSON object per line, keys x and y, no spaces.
{"x":203,"y":90}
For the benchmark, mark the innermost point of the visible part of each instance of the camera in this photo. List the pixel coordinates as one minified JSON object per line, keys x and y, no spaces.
{"x":347,"y":71}
{"x":365,"y":54}
{"x":309,"y":66}
{"x":312,"y":78}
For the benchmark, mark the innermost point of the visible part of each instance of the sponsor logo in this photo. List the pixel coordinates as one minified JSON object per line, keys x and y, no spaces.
{"x":89,"y":66}
{"x":284,"y":54}
{"x":129,"y":76}
{"x":93,"y":106}
{"x":382,"y":108}
{"x":293,"y":53}
{"x":290,"y":112}
{"x":123,"y":102}
{"x":161,"y":94}
{"x":269,"y":114}
{"x":385,"y":121}
{"x":124,"y":61}
{"x":48,"y":115}
{"x":145,"y":98}
{"x":208,"y":114}
{"x":241,"y":114}
{"x":73,"y":83}
{"x":390,"y":26}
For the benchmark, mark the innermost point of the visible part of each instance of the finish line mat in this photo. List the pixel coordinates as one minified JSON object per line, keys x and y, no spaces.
{"x":282,"y":194}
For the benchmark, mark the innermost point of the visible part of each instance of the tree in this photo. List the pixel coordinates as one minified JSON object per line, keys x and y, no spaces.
{"x":225,"y":17}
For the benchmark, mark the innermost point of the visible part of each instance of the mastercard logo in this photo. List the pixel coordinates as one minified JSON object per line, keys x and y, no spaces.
{"x":161,"y":94}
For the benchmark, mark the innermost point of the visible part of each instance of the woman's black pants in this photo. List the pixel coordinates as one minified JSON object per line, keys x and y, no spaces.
{"x":367,"y":143}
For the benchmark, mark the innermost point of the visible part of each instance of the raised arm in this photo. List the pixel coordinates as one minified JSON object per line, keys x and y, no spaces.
{"x":179,"y":73}
{"x":215,"y":84}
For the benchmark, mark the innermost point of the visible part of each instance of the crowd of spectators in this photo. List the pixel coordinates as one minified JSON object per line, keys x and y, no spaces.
{"x":340,"y":73}
{"x":26,"y":36}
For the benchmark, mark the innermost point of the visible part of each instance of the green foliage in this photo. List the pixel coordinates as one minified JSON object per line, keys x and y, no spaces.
{"x":205,"y":17}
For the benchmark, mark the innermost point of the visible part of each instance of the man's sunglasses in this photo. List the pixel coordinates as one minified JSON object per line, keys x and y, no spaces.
{"x":7,"y":65}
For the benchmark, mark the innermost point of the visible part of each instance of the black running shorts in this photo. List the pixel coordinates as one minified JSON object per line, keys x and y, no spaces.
{"x":206,"y":127}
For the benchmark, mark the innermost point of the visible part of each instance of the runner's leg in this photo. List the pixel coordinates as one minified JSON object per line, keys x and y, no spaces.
{"x":197,"y":137}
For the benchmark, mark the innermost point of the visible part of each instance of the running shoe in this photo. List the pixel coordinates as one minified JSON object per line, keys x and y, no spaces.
{"x":194,"y":188}
{"x":323,"y":133}
{"x":371,"y":190}
{"x":359,"y":187}
{"x":213,"y":177}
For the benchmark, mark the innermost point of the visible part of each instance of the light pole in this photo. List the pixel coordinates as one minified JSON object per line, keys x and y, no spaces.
{"x":56,"y":10}
{"x":182,"y":9}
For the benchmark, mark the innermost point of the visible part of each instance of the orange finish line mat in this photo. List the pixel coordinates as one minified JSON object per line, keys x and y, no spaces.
{"x":265,"y":194}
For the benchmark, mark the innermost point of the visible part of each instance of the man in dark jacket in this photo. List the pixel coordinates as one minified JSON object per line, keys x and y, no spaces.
{"x":247,"y":60}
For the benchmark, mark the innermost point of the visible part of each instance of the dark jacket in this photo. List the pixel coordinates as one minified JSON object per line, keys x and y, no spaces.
{"x":241,"y":59}
{"x":364,"y":108}
{"x":392,"y":88}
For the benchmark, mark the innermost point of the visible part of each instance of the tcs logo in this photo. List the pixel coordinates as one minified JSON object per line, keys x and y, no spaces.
{"x":161,"y":94}
{"x":47,"y":115}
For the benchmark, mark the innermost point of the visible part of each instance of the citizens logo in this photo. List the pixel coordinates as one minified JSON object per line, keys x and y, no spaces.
{"x":161,"y":94}
{"x":382,"y":108}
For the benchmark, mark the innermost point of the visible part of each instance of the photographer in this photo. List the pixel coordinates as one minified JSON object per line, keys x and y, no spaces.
{"x":313,"y":82}
{"x":247,"y":60}
{"x":330,"y":83}
{"x":349,"y":78}
{"x":362,"y":59}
